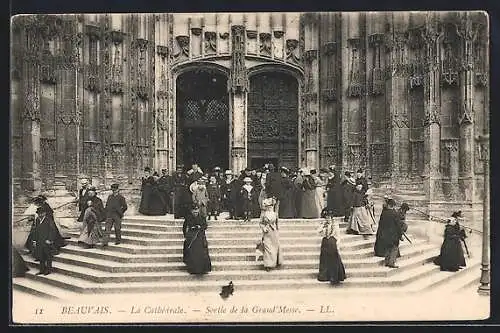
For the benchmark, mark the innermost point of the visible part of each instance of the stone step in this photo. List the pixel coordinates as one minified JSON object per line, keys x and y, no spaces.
{"x":169,"y":220}
{"x":215,"y":233}
{"x":40,"y":289}
{"x":222,"y":226}
{"x":283,"y":273}
{"x":463,"y":279}
{"x":147,"y":248}
{"x":355,"y":242}
{"x":201,"y":284}
{"x":218,"y":265}
{"x":118,"y":256}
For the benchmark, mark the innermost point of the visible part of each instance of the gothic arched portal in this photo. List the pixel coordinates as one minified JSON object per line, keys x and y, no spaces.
{"x":202,"y":119}
{"x":273,"y":119}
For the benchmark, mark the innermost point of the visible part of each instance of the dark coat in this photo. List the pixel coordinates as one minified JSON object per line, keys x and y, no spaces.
{"x":274,"y":185}
{"x":182,"y":196}
{"x":451,"y":256}
{"x":82,"y":199}
{"x":363,"y":182}
{"x":195,"y":250}
{"x":116,"y":206}
{"x":98,"y":206}
{"x":45,"y":231}
{"x":390,"y":230}
{"x":152,"y":201}
{"x":214,"y":198}
{"x":287,"y":203}
{"x":335,"y":195}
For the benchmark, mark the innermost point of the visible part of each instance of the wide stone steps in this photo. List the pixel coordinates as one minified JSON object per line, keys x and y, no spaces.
{"x":217,"y":264}
{"x":253,"y":271}
{"x":149,"y":259}
{"x":414,"y":279}
{"x":117,"y":256}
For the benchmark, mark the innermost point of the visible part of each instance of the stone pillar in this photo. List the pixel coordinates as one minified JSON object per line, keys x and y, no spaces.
{"x":432,"y":132}
{"x":311,"y":95}
{"x":31,"y":180}
{"x":396,"y":92}
{"x":238,"y":87}
{"x":466,"y":179}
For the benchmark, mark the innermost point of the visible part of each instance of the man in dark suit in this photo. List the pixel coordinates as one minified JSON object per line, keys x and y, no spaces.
{"x":165,"y":186}
{"x":83,"y":195}
{"x":274,"y":186}
{"x":361,"y":179}
{"x":116,"y":205}
{"x":45,"y":234}
{"x":392,"y":227}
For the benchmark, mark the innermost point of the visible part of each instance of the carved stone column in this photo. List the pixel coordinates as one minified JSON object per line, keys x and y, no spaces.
{"x":238,"y":87}
{"x":395,"y":70}
{"x":31,"y":114}
{"x":67,"y":119}
{"x":311,"y":95}
{"x":432,"y":109}
{"x":468,"y":34}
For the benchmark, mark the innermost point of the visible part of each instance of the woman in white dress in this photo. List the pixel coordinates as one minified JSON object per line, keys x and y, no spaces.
{"x":272,"y":254}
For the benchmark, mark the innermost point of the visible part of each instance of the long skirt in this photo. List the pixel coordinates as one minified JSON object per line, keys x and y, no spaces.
{"x":361,"y":221}
{"x":319,"y":198}
{"x":451,"y":257}
{"x":273,"y":256}
{"x":331,"y":267}
{"x":195,"y":253}
{"x":19,"y":267}
{"x":309,"y":205}
{"x":93,"y":237}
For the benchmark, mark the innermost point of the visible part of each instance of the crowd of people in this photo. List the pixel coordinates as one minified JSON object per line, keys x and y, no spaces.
{"x":269,"y":194}
{"x":302,"y":193}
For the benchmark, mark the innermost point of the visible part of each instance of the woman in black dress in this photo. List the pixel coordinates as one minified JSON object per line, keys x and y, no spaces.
{"x":152,"y":201}
{"x":451,"y":257}
{"x":331,"y":267}
{"x":195,"y":252}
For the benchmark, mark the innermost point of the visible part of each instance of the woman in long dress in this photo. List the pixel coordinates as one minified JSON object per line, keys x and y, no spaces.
{"x":287,"y":203}
{"x":331,"y":267}
{"x":360,"y":222}
{"x":272,"y":254}
{"x":91,"y":233}
{"x":319,"y":199}
{"x":451,"y":257}
{"x":195,"y":251}
{"x":309,"y":204}
{"x":152,"y":201}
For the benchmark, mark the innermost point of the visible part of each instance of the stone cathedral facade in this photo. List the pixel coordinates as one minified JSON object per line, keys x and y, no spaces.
{"x":404,"y":95}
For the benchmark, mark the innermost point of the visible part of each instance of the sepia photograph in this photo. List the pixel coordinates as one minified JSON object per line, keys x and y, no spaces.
{"x":268,"y":167}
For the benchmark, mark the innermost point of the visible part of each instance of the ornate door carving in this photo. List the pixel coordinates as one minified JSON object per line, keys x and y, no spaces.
{"x":273,"y":118}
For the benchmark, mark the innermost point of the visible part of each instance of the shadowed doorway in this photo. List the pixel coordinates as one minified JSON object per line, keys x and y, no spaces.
{"x":202,"y":119}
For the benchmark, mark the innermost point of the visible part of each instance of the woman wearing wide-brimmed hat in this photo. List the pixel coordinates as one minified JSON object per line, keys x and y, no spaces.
{"x":273,"y":256}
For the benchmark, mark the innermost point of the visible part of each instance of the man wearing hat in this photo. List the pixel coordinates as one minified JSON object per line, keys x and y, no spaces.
{"x":227,"y":190}
{"x":165,"y":187}
{"x":45,"y":234}
{"x":116,"y":205}
{"x":218,"y":175}
{"x":361,"y":179}
{"x":82,"y":194}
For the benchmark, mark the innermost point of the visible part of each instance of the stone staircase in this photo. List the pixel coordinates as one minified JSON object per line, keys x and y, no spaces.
{"x":149,"y":260}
